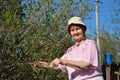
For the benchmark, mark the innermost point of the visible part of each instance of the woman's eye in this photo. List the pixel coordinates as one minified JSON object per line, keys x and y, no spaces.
{"x":77,"y":28}
{"x":72,"y":30}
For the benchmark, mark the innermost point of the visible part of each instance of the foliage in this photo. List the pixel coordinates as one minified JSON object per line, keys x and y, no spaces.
{"x":12,"y":52}
{"x":110,"y":38}
{"x":38,"y":34}
{"x":107,"y":46}
{"x":116,"y":28}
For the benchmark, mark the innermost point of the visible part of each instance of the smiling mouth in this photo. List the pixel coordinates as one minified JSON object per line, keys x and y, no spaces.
{"x":77,"y":35}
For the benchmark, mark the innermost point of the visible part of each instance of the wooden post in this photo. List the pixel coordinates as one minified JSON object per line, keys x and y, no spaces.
{"x":108,"y":71}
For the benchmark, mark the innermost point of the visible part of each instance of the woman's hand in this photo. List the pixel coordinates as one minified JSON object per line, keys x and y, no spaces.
{"x":40,"y":64}
{"x":55,"y":62}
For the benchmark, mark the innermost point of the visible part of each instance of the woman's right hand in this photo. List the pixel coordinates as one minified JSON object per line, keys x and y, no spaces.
{"x":55,"y":62}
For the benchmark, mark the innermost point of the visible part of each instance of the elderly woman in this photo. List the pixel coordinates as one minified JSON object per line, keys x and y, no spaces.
{"x":81,"y":60}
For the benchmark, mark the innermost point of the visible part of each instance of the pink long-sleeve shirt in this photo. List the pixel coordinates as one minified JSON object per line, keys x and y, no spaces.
{"x":87,"y":51}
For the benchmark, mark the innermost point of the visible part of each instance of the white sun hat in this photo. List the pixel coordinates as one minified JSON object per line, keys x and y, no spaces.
{"x":75,"y":20}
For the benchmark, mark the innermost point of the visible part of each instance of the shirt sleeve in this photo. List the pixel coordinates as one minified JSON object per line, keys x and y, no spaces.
{"x":90,"y":53}
{"x":62,"y":67}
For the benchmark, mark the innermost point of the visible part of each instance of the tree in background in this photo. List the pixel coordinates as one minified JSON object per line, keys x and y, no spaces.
{"x":115,"y":10}
{"x":35,"y":31}
{"x":12,"y":34}
{"x":110,"y":39}
{"x":50,"y":18}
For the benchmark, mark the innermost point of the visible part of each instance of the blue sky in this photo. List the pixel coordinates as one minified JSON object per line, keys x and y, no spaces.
{"x":104,"y":17}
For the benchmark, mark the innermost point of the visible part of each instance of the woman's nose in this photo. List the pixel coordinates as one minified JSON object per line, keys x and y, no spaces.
{"x":75,"y":31}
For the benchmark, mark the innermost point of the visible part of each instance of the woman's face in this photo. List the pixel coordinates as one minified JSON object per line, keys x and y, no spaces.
{"x":77,"y":33}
